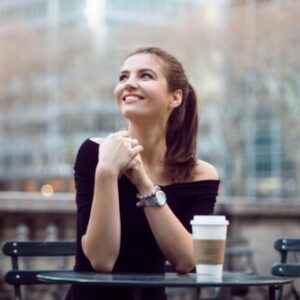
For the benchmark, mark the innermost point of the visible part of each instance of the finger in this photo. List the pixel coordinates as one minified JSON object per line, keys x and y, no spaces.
{"x":134,"y":142}
{"x":133,"y":152}
{"x":131,"y":142}
{"x":129,"y":166}
{"x":136,"y":150}
{"x":122,"y":133}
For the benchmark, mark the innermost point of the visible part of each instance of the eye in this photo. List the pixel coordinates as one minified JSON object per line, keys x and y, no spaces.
{"x":123,"y":77}
{"x":146,"y":76}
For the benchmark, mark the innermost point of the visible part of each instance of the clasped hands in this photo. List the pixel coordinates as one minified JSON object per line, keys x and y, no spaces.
{"x":120,"y":154}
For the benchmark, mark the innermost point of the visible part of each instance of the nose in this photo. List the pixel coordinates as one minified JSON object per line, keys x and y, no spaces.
{"x":131,"y":83}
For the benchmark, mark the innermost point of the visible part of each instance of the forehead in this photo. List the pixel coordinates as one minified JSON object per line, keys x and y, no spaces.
{"x":143,"y":61}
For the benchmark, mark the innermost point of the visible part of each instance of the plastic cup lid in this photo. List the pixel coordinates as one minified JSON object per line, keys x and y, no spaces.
{"x":210,"y":220}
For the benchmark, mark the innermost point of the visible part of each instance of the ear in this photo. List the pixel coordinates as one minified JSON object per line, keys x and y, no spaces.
{"x":176,"y":99}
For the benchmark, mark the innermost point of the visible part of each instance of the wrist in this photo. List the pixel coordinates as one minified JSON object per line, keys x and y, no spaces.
{"x":106,"y":172}
{"x":145,"y":187}
{"x":155,"y":198}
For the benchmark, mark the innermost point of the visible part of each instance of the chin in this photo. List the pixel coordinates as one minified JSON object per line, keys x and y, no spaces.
{"x":129,"y":113}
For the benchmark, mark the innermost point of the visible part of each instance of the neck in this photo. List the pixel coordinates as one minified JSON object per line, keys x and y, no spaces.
{"x":153,"y":139}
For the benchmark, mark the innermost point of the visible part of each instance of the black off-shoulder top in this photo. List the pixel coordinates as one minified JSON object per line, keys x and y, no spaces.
{"x":139,"y":252}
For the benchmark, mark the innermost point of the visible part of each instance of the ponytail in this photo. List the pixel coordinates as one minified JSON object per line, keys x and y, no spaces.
{"x":181,"y":138}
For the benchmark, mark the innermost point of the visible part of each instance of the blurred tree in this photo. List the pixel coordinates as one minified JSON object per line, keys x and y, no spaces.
{"x":263,"y":46}
{"x":61,"y":83}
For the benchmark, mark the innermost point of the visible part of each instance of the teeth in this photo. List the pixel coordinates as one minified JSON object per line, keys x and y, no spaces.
{"x":132,"y":98}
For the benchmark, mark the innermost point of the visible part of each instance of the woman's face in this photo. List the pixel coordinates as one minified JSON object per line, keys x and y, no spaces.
{"x":142,"y":90}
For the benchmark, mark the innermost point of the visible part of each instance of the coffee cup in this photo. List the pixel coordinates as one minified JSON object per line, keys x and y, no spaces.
{"x":209,"y":234}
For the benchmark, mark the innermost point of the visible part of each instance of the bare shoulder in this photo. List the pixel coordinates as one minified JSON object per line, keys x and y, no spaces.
{"x":205,"y":171}
{"x":97,"y":140}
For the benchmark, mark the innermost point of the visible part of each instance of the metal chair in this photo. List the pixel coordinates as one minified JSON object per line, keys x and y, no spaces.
{"x":286,"y":247}
{"x":19,"y":276}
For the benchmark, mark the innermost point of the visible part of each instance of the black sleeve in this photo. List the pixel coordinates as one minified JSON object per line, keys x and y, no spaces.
{"x":84,"y":175}
{"x":201,"y":204}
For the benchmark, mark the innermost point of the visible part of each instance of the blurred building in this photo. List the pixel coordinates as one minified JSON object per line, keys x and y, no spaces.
{"x":37,"y":123}
{"x":271,"y":164}
{"x":41,"y":129}
{"x":48,"y":110}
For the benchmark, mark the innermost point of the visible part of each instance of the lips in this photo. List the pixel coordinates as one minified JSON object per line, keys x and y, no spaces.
{"x":131,"y":98}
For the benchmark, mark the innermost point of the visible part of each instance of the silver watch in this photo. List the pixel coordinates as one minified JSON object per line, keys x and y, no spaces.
{"x":156,"y":198}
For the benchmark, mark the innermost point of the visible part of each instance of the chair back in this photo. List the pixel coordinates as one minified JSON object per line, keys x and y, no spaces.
{"x":19,"y":276}
{"x":286,"y":247}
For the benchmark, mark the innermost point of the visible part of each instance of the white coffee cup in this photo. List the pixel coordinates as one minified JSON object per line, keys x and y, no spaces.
{"x":209,"y":233}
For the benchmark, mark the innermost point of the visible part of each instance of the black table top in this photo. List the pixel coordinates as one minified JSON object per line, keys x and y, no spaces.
{"x":168,"y":279}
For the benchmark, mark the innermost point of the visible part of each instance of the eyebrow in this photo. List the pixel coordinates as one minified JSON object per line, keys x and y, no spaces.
{"x":140,"y":71}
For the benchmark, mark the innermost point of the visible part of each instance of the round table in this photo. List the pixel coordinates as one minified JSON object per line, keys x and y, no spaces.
{"x":138,"y":281}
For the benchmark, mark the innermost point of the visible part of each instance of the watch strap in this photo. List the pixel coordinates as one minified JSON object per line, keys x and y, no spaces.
{"x":148,"y":195}
{"x":151,"y":199}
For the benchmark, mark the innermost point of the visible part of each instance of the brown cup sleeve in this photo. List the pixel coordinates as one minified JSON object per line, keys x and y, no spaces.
{"x":210,"y":252}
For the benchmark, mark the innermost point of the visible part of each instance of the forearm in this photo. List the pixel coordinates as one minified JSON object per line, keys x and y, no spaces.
{"x":174,"y":240}
{"x":101,"y":243}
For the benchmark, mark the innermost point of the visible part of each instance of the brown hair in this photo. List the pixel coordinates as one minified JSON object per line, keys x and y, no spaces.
{"x":182,"y":126}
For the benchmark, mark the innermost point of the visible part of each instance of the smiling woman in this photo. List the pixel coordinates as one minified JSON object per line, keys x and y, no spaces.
{"x":144,"y":182}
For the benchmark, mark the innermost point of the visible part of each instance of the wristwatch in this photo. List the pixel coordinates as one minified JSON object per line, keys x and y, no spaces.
{"x":156,"y":198}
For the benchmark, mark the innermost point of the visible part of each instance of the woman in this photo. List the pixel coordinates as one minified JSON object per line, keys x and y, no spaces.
{"x":138,"y":189}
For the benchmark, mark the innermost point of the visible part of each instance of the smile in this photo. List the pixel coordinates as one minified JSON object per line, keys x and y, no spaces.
{"x":132,"y":98}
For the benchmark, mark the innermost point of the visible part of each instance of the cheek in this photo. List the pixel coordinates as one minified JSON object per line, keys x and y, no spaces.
{"x":117,"y":92}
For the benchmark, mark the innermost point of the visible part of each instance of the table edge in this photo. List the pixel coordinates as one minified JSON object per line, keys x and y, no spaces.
{"x":269,"y":281}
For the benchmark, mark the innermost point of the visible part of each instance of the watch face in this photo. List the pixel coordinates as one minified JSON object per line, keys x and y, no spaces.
{"x":161,"y":198}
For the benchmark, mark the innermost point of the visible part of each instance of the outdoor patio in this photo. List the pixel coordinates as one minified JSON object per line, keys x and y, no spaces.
{"x":32,"y":216}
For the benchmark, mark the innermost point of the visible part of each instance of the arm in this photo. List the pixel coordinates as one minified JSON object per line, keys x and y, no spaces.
{"x":101,"y":242}
{"x":173,"y":238}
